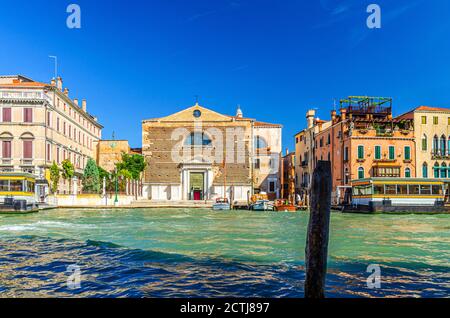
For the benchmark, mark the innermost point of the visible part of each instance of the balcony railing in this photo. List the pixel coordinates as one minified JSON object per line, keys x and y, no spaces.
{"x":26,"y":162}
{"x":440,"y":154}
{"x":6,"y":161}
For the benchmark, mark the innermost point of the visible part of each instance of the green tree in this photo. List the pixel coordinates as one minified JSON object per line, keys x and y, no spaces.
{"x":131,"y":166}
{"x":91,"y":177}
{"x":68,"y":171}
{"x":54,"y":177}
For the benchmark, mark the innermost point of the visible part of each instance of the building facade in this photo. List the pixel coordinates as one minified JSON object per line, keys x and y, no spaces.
{"x":432,"y":134}
{"x":306,"y":145}
{"x":109,"y":153}
{"x":287,"y":176}
{"x":198,"y":154}
{"x":39,"y":125}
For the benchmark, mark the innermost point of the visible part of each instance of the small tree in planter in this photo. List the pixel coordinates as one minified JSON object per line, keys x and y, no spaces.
{"x":54,"y":178}
{"x":68,"y":171}
{"x":91,"y":177}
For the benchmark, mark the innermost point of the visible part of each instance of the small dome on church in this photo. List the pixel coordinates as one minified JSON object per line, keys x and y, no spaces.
{"x":239,"y":113}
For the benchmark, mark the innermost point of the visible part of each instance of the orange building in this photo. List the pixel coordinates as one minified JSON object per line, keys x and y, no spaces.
{"x":365,"y":141}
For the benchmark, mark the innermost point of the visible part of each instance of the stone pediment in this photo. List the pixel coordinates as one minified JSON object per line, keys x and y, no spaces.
{"x":195,"y":113}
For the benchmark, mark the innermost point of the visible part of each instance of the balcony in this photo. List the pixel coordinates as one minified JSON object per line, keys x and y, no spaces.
{"x":26,"y":162}
{"x":440,"y":155}
{"x":6,"y":161}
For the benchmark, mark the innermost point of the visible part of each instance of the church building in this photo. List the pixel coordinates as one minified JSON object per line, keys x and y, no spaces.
{"x":198,"y":154}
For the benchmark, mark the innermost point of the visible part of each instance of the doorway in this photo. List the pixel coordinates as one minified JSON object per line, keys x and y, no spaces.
{"x":196,"y":186}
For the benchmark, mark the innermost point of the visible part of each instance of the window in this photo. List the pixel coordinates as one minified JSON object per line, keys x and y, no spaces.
{"x":360,"y":152}
{"x":27,"y":149}
{"x":321,"y":142}
{"x":402,"y":189}
{"x":448,"y":121}
{"x":435,"y":120}
{"x":49,"y":152}
{"x":443,"y":145}
{"x":407,"y":173}
{"x":257,"y":164}
{"x":57,"y":155}
{"x":329,"y":139}
{"x":57,"y":124}
{"x":260,"y":142}
{"x":198,"y":139}
{"x":424,"y":120}
{"x":6,"y":149}
{"x":390,"y":189}
{"x":436,"y":170}
{"x":425,"y":189}
{"x":378,"y":189}
{"x":444,"y":170}
{"x":391,"y":153}
{"x":28,"y":115}
{"x":414,"y":189}
{"x":424,"y":143}
{"x":425,"y":170}
{"x":271,"y":186}
{"x":49,"y":119}
{"x":377,"y":152}
{"x":6,"y":112}
{"x":360,"y":173}
{"x":435,"y":144}
{"x":407,"y":153}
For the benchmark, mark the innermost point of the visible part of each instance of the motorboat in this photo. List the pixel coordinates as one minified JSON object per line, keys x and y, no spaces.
{"x":222,"y":204}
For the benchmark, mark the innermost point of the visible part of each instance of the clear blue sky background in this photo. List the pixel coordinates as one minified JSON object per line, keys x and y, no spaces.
{"x":134,"y":60}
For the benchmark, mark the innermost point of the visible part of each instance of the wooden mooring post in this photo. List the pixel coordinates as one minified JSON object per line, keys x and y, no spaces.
{"x":318,"y":231}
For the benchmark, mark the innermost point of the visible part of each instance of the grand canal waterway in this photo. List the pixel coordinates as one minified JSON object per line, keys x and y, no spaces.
{"x":201,"y":253}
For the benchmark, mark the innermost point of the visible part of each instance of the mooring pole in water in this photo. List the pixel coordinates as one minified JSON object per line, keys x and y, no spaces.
{"x":318,"y":231}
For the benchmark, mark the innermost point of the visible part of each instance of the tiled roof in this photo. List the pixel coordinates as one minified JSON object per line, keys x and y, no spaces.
{"x":410,"y":114}
{"x":267,"y":125}
{"x":24,"y":84}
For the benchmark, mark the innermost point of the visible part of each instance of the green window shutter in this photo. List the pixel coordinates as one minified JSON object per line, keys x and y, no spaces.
{"x":360,"y":152}
{"x":360,"y":173}
{"x":377,"y":152}
{"x":424,"y":144}
{"x":391,"y":152}
{"x":425,"y":171}
{"x":407,"y":153}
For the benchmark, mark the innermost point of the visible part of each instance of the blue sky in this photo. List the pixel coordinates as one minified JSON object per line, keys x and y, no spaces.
{"x":134,"y":59}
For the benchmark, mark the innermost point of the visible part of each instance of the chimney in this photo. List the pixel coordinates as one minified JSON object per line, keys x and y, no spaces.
{"x":310,"y":117}
{"x":53,"y":82}
{"x":83,"y":105}
{"x":75,"y":101}
{"x":333,"y":116}
{"x":66,"y":91}
{"x":287,"y":151}
{"x":343,"y":114}
{"x":59,"y":83}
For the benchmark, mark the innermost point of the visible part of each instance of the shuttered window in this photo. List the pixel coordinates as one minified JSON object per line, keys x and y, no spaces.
{"x":6,"y":149}
{"x":377,"y":152}
{"x":407,"y":153}
{"x":6,"y":115}
{"x":391,"y":153}
{"x":28,"y":115}
{"x":360,"y":152}
{"x":27,"y":149}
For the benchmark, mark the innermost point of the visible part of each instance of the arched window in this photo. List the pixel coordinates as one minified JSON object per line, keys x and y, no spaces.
{"x":436,"y":170}
{"x":435,"y":144}
{"x":260,"y":143}
{"x":198,"y":139}
{"x":443,"y":170}
{"x":407,"y":173}
{"x":360,"y":173}
{"x":425,"y":170}
{"x":424,"y":143}
{"x":443,"y":145}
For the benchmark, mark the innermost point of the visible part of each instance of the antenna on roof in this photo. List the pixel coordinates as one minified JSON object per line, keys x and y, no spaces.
{"x":334,"y":104}
{"x":56,"y":64}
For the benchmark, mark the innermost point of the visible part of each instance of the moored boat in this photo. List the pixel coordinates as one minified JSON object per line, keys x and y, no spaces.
{"x":222,"y":204}
{"x":262,"y":205}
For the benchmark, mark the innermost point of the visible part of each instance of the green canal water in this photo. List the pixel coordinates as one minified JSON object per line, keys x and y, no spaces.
{"x":201,"y":253}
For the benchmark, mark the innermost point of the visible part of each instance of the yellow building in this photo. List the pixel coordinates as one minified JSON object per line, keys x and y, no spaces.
{"x":432,"y":134}
{"x":39,"y":125}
